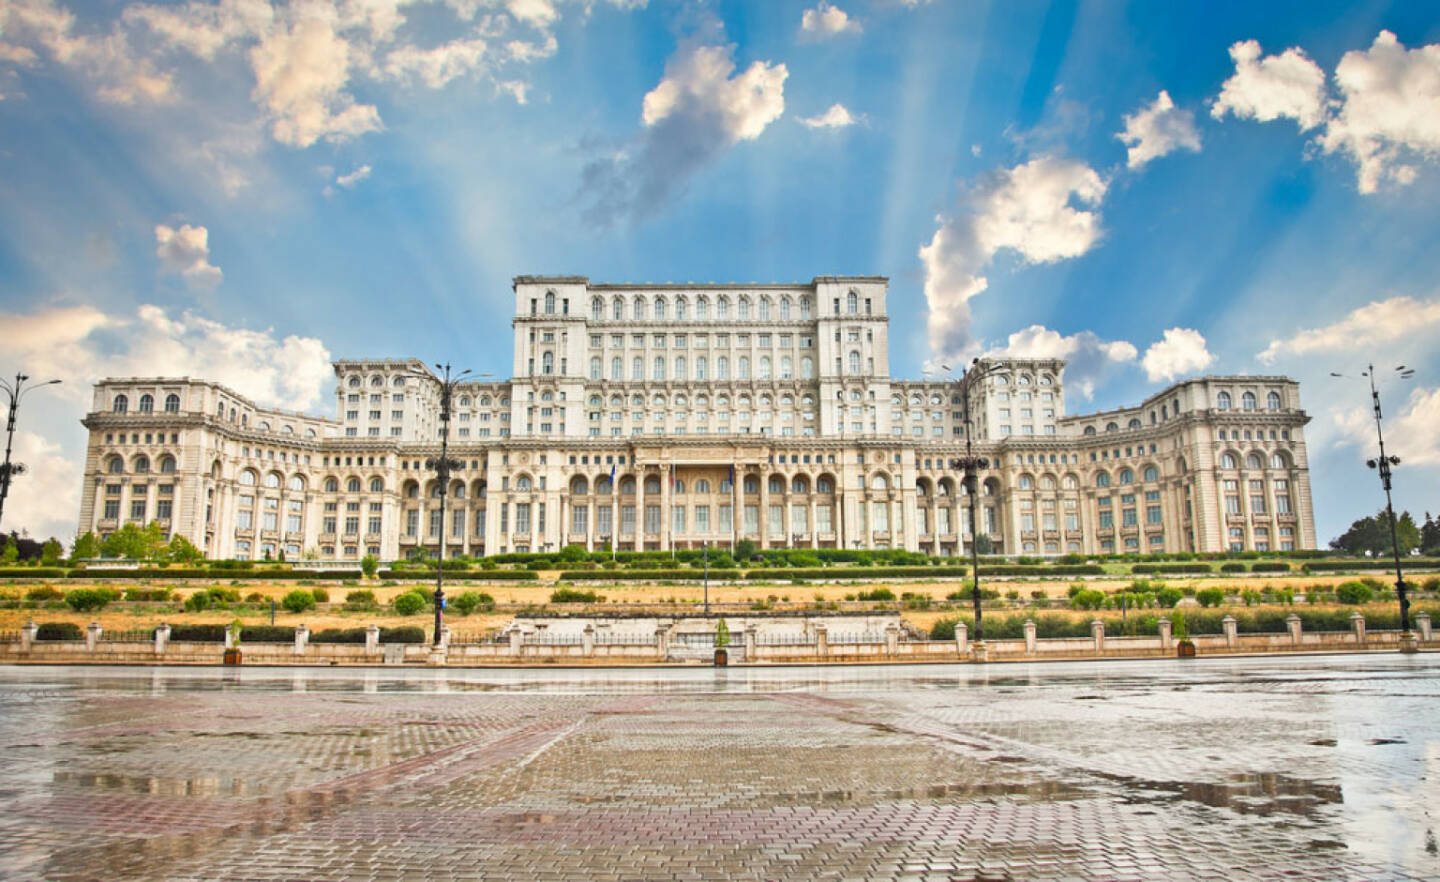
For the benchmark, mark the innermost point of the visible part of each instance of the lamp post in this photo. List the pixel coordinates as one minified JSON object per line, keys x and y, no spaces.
{"x":1382,"y":465}
{"x":16,"y":391}
{"x":970,"y":464}
{"x":442,"y":467}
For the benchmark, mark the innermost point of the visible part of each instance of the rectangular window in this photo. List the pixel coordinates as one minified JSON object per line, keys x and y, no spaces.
{"x":504,"y":518}
{"x":942,"y":519}
{"x":751,"y":522}
{"x":270,"y":522}
{"x":725,"y":517}
{"x":605,"y":520}
{"x":580,"y":519}
{"x":1152,"y":514}
{"x":352,"y":526}
{"x":1128,"y":517}
{"x":1107,"y":519}
{"x":412,"y":523}
{"x":434,"y":525}
{"x":652,"y":519}
{"x":292,"y":523}
{"x":775,"y":520}
{"x":1027,"y":522}
{"x":677,"y":518}
{"x":627,"y":520}
{"x":702,"y":518}
{"x":522,"y":517}
{"x":162,"y":509}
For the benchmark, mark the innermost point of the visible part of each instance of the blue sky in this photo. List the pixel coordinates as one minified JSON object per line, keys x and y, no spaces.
{"x":245,"y":189}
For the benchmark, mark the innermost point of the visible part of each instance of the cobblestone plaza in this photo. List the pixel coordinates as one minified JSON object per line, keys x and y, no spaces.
{"x":1314,"y":767}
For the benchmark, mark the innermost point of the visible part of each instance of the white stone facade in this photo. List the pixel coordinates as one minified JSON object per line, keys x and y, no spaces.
{"x":674,"y":389}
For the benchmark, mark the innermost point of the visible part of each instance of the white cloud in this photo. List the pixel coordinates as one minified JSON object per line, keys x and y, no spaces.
{"x":1181,"y":351}
{"x":699,"y":109}
{"x":1413,"y":434}
{"x":118,"y":73}
{"x":837,"y":117}
{"x":1390,"y":110}
{"x":1158,"y":129}
{"x":301,"y":73}
{"x":439,"y":65}
{"x":827,"y":20}
{"x":1089,"y":359}
{"x":203,"y":29}
{"x":1030,"y":209}
{"x":355,"y":177}
{"x":1288,"y":85}
{"x":1372,"y":325}
{"x":186,"y":252}
{"x":80,"y":345}
{"x":536,"y":13}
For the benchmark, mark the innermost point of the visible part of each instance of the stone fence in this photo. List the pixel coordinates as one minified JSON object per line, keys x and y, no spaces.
{"x":663,"y":647}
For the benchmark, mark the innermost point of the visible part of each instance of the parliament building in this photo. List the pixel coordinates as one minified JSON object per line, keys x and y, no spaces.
{"x":673,"y":416}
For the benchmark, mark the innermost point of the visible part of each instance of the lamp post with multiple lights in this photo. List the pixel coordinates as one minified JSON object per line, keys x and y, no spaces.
{"x":970,"y":464}
{"x":16,"y":390}
{"x":1383,"y":464}
{"x":443,"y":466}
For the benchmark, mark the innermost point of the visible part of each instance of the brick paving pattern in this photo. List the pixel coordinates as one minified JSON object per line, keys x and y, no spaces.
{"x":1311,"y":768}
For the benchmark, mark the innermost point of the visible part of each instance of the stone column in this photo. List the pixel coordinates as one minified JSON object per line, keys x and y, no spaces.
{"x":789,"y":522}
{"x":1097,"y":633}
{"x":962,"y":639}
{"x":517,"y":643}
{"x":1422,"y":624}
{"x":662,"y":641}
{"x":588,"y":640}
{"x":444,"y":637}
{"x":750,"y":642}
{"x":810,"y":524}
{"x":162,"y":638}
{"x":372,"y":639}
{"x":1030,"y":636}
{"x":1230,"y":627}
{"x":92,"y":636}
{"x":1357,"y":624}
{"x":763,"y":521}
{"x":1167,"y":640}
{"x":302,"y":638}
{"x":1292,"y":624}
{"x":665,"y":537}
{"x":822,"y":641}
{"x":27,"y":636}
{"x":229,"y":638}
{"x":892,"y":638}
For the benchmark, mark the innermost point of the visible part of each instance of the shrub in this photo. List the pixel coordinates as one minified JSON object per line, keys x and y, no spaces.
{"x":368,"y":565}
{"x":877,"y":594}
{"x":254,"y":597}
{"x":89,"y":599}
{"x":1232,"y":567}
{"x":916,"y":601}
{"x":320,"y":595}
{"x":1142,"y":568}
{"x":409,"y":603}
{"x":1088,"y":599}
{"x":1168,"y":597}
{"x":1037,"y":594}
{"x":572,"y":595}
{"x":198,"y":602}
{"x":471,"y":600}
{"x":265,"y":634}
{"x":1352,"y":593}
{"x":298,"y":601}
{"x":1250,"y":596}
{"x":1270,"y":567}
{"x":197,"y":633}
{"x":59,"y":631}
{"x":43,"y":593}
{"x":154,"y":595}
{"x":360,"y":599}
{"x":943,"y":629}
{"x":1074,"y":590}
{"x":1210,"y":596}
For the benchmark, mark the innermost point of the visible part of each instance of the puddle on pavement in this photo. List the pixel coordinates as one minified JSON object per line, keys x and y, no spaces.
{"x":162,"y":786}
{"x":1246,"y":794}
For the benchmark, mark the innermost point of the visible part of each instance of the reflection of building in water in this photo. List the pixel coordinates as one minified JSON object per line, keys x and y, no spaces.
{"x":670,"y":416}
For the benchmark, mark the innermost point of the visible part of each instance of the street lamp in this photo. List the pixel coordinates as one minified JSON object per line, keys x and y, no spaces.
{"x":970,"y":464}
{"x":1382,"y":464}
{"x":442,"y":467}
{"x":16,"y":391}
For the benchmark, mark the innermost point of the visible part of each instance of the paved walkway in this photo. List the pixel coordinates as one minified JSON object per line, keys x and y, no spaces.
{"x":1319,"y":767}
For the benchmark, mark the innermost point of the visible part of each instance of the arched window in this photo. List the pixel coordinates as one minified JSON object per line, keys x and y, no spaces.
{"x":1102,"y":480}
{"x":272,"y":480}
{"x":1134,"y":424}
{"x":1027,"y":482}
{"x":398,"y":382}
{"x":679,"y":367}
{"x":702,"y":485}
{"x":1089,"y":430}
{"x":679,"y":309}
{"x":637,"y":368}
{"x":617,"y":311}
{"x":353,"y":382}
{"x":879,"y":482}
{"x":377,"y":485}
{"x":854,"y":364}
{"x":332,"y":485}
{"x":639,"y":308}
{"x":603,"y":485}
{"x":1227,"y":461}
{"x":823,"y":484}
{"x":807,"y":368}
{"x":522,"y":484}
{"x":1272,"y":401}
{"x":248,"y":478}
{"x":1253,"y":461}
{"x":595,"y":367}
{"x":764,"y":309}
{"x":1247,"y":401}
{"x":852,"y":303}
{"x":617,"y":368}
{"x":764,"y":367}
{"x":702,"y":308}
{"x":547,"y":363}
{"x":784,"y":307}
{"x":1278,"y":461}
{"x":1112,"y":427}
{"x":296,"y":483}
{"x":799,"y":485}
{"x":549,"y":302}
{"x":658,"y":369}
{"x":377,"y":381}
{"x":579,"y":486}
{"x":172,"y":403}
{"x":743,"y":368}
{"x":805,"y":307}
{"x":1070,"y":482}
{"x":1222,"y":401}
{"x":597,"y":309}
{"x":743,"y":310}
{"x":167,"y":464}
{"x":722,"y":308}
{"x":352,"y":485}
{"x":627,"y":486}
{"x":1152,"y":474}
{"x":752,"y":485}
{"x":142,"y":465}
{"x":659,"y":309}
{"x":700,"y":366}
{"x":722,"y":368}
{"x":116,"y":466}
{"x":1127,"y":476}
{"x":122,"y":404}
{"x":776,"y":484}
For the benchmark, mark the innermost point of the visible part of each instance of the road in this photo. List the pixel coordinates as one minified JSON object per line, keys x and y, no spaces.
{"x":1316,"y":767}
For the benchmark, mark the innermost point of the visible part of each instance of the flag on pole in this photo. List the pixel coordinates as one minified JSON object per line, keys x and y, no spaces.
{"x":612,"y":477}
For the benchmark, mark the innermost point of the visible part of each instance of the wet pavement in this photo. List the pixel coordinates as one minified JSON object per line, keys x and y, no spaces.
{"x":1311,"y":767}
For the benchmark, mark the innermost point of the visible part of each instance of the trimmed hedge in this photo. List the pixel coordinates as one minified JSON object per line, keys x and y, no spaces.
{"x":408,"y":634}
{"x":31,"y":573}
{"x":1318,"y":566}
{"x":1270,"y":567}
{"x":644,"y":575}
{"x":59,"y":631}
{"x":199,"y":633}
{"x":464,"y":575}
{"x":858,"y":573}
{"x":1041,"y":570}
{"x":262,"y":634}
{"x":212,"y":573}
{"x":1141,"y":569}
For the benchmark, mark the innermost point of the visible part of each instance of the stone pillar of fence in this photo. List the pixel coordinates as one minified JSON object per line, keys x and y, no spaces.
{"x":1097,"y":633}
{"x":517,"y":642}
{"x":1357,"y":624}
{"x":588,"y":639}
{"x":892,"y":639}
{"x":162,"y":638}
{"x":1167,"y":634}
{"x":751,"y":640}
{"x":92,"y":636}
{"x":1029,"y":636}
{"x":822,"y":641}
{"x":302,"y":637}
{"x":372,"y":639}
{"x":229,"y":638}
{"x":1231,"y":629}
{"x":445,"y":637}
{"x":1292,"y":624}
{"x":962,"y":639}
{"x":1422,"y":624}
{"x":662,"y":641}
{"x":27,"y":636}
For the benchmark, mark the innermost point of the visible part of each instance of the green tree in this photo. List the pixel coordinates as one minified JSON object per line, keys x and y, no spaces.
{"x":51,"y":552}
{"x":722,"y":633}
{"x":368,"y":565}
{"x":298,"y":601}
{"x":86,"y":546}
{"x":1371,"y":535}
{"x":182,"y":550}
{"x":572,"y":553}
{"x":134,"y":542}
{"x":984,"y":545}
{"x":745,"y":549}
{"x":1430,"y":536}
{"x":11,"y":552}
